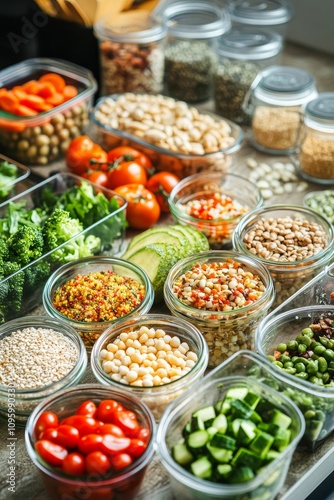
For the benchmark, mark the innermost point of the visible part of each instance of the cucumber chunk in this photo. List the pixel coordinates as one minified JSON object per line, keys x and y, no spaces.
{"x":242,"y":475}
{"x":220,"y":454}
{"x":220,"y":423}
{"x":222,"y":441}
{"x":181,"y":454}
{"x":224,"y":471}
{"x":196,"y":441}
{"x":283,"y":421}
{"x":207,"y":414}
{"x":202,"y":468}
{"x":261,"y":443}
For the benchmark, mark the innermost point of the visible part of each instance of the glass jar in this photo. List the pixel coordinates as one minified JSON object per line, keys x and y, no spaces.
{"x":275,"y":101}
{"x":189,"y":55}
{"x":264,"y":14}
{"x":277,"y":252}
{"x":315,"y":159}
{"x":131,"y":55}
{"x":242,"y":53}
{"x":224,"y":331}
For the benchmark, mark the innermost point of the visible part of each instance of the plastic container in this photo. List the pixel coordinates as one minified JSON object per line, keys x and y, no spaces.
{"x":211,"y":389}
{"x":241,"y":197}
{"x":288,"y":276}
{"x":158,"y":397}
{"x":275,"y":102}
{"x":180,"y":155}
{"x":315,"y":401}
{"x":8,"y":187}
{"x":190,"y":59}
{"x":267,"y":15}
{"x":123,"y":485}
{"x":27,"y":399}
{"x":109,"y":229}
{"x":131,"y":54}
{"x":242,"y":52}
{"x":315,"y":157}
{"x":91,"y":330}
{"x":224,"y":331}
{"x":43,"y":138}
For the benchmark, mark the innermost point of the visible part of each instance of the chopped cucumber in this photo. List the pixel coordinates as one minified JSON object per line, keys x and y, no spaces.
{"x":196,"y":423}
{"x":224,"y":471}
{"x":202,"y":468}
{"x":242,"y":475}
{"x":252,"y":399}
{"x":196,"y":441}
{"x":261,"y":443}
{"x":246,"y":457}
{"x":282,"y":439}
{"x":222,"y":406}
{"x":157,"y":235}
{"x":283,"y":421}
{"x":220,"y":454}
{"x":181,"y":454}
{"x":207,"y":414}
{"x":220,"y":423}
{"x":246,"y":432}
{"x":222,"y":441}
{"x":236,"y":393}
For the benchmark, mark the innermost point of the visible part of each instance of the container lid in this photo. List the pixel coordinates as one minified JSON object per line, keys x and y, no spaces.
{"x":322,"y":107}
{"x":249,"y":43}
{"x":196,"y":20}
{"x":286,"y":79}
{"x":130,"y":30}
{"x":260,"y":12}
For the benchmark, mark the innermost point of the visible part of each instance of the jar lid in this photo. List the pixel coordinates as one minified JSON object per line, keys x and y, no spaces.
{"x":260,"y":12}
{"x":196,"y":20}
{"x":130,"y":30}
{"x":322,"y":107}
{"x":249,"y":43}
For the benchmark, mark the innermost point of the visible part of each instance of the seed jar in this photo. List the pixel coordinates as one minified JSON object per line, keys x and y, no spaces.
{"x":189,"y":55}
{"x":242,"y":53}
{"x":316,"y":152}
{"x":275,"y":101}
{"x":131,"y":55}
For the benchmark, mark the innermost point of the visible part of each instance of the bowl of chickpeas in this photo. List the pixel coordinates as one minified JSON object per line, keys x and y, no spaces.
{"x":154,"y":356}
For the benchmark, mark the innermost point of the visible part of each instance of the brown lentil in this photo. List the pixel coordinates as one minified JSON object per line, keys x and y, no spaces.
{"x":276,"y":128}
{"x":98,"y":296}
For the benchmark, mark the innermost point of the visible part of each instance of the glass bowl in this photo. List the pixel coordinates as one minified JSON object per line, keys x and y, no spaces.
{"x":126,"y":483}
{"x":288,"y":276}
{"x":225,"y":331}
{"x":25,"y":400}
{"x":155,"y":397}
{"x":269,"y":480}
{"x":89,"y":329}
{"x":219,"y":201}
{"x":322,"y":202}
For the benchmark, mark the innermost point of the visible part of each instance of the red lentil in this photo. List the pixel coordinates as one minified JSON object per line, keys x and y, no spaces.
{"x":98,"y":296}
{"x":215,"y":206}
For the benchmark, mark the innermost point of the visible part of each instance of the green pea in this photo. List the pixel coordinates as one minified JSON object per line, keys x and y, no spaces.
{"x":322,"y":363}
{"x":308,"y":332}
{"x":300,"y":367}
{"x":330,"y":344}
{"x":302,"y":348}
{"x":326,"y":377}
{"x":320,"y":415}
{"x":314,"y":344}
{"x":316,"y":380}
{"x":292,"y":371}
{"x":292,"y":345}
{"x":285,"y":359}
{"x":271,"y":358}
{"x":300,"y":359}
{"x":319,"y":350}
{"x":294,"y":358}
{"x":331,"y":364}
{"x":314,"y":356}
{"x":278,"y":363}
{"x":324,"y":341}
{"x":281,"y":347}
{"x":309,"y":414}
{"x":312,"y":367}
{"x":302,"y":375}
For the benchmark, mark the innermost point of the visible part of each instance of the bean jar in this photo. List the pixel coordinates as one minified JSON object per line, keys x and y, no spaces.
{"x":275,"y":102}
{"x":316,"y":153}
{"x":131,"y":54}
{"x":242,"y":53}
{"x":189,"y":55}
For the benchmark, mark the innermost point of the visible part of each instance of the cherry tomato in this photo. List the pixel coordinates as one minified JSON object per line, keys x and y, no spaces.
{"x":126,"y":172}
{"x":97,"y":463}
{"x":49,"y":434}
{"x":52,"y":453}
{"x":137,"y":447}
{"x":67,"y":436}
{"x":84,"y":424}
{"x":143,"y":210}
{"x":111,"y":444}
{"x":78,"y":154}
{"x":46,"y":420}
{"x":120,"y":461}
{"x":89,"y":443}
{"x":98,"y":159}
{"x":106,"y":409}
{"x":161,"y":184}
{"x":143,"y":433}
{"x":130,"y":154}
{"x":127,"y":421}
{"x":87,"y":408}
{"x":97,"y":177}
{"x":110,"y":429}
{"x":74,"y":464}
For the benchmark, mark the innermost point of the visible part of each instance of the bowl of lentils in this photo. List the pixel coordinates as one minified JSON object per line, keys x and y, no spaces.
{"x":39,"y":356}
{"x":91,"y":294}
{"x":214,"y":203}
{"x":224,"y":294}
{"x":293,"y":242}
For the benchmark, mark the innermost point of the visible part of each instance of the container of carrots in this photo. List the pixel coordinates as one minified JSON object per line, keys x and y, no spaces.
{"x":44,"y":104}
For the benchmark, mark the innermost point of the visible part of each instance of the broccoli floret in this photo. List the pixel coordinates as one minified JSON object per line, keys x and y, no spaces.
{"x":36,"y":275}
{"x":25,"y":245}
{"x":15,"y":285}
{"x":3,"y":250}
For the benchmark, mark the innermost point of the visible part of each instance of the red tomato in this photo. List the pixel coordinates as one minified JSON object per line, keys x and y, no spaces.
{"x":126,"y":172}
{"x":143,"y":434}
{"x":89,"y":443}
{"x":49,"y":434}
{"x":67,"y":436}
{"x":111,"y":444}
{"x":120,"y":461}
{"x":98,"y":159}
{"x":84,"y":424}
{"x":110,"y":429}
{"x":97,"y":177}
{"x":130,"y":154}
{"x":143,"y":210}
{"x":78,"y":154}
{"x":52,"y":453}
{"x":106,"y":409}
{"x":97,"y":463}
{"x":87,"y":408}
{"x":74,"y":464}
{"x":127,"y":421}
{"x":161,"y":184}
{"x":46,"y":420}
{"x":137,"y":447}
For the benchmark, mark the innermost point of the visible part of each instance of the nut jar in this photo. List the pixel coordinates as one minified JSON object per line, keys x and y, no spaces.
{"x":131,"y":54}
{"x":275,"y":101}
{"x":189,"y":55}
{"x":315,"y":158}
{"x":230,"y":326}
{"x":242,"y":53}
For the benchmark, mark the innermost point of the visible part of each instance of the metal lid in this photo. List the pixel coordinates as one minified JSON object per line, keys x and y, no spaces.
{"x":141,"y":30}
{"x":190,"y":19}
{"x":322,"y":107}
{"x":249,"y":43}
{"x":260,"y":12}
{"x":286,"y":79}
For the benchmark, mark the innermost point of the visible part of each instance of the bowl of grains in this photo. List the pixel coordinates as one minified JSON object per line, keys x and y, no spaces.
{"x":293,"y":242}
{"x":39,"y":356}
{"x":91,"y":294}
{"x":156,"y":357}
{"x":213,"y":203}
{"x":224,"y":294}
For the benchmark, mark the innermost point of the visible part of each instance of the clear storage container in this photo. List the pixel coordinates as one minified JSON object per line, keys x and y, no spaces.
{"x":12,"y":174}
{"x":131,"y":55}
{"x":189,"y":55}
{"x":242,"y":53}
{"x":315,"y":157}
{"x":275,"y":102}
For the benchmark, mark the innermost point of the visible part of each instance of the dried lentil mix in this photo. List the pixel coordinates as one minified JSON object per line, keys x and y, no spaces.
{"x":316,"y":156}
{"x":98,"y":296}
{"x":276,"y":128}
